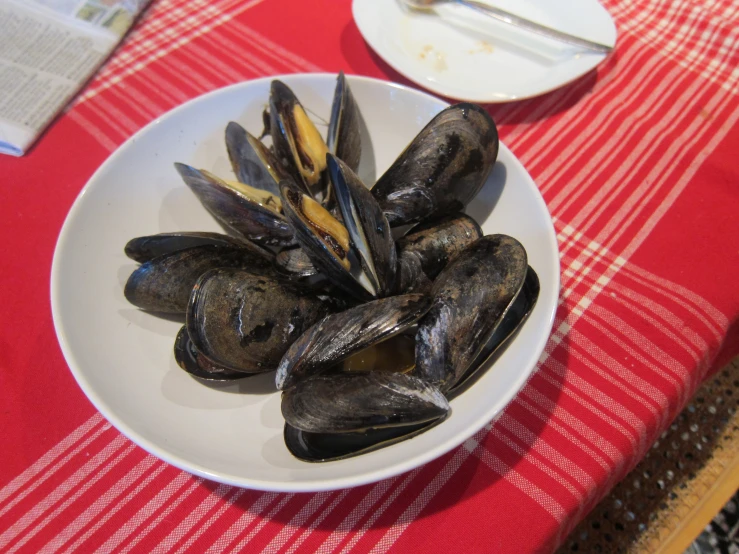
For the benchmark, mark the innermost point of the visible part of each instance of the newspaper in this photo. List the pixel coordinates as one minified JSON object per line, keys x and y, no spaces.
{"x":48,"y":50}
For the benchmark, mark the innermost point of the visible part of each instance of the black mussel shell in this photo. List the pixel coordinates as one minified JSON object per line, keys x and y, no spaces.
{"x":237,"y":211}
{"x":344,"y":140}
{"x":437,"y":242}
{"x":324,"y":240}
{"x":252,"y":162}
{"x":338,"y":336}
{"x":297,"y":143}
{"x":513,"y":319}
{"x":471,"y":298}
{"x":368,"y":228}
{"x":164,"y":284}
{"x":348,"y":402}
{"x":442,"y":169}
{"x":247,"y":322}
{"x":327,"y":447}
{"x":197,"y":365}
{"x":143,"y":249}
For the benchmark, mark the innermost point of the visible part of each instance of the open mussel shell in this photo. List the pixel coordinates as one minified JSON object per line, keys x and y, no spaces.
{"x":338,"y":336}
{"x":327,"y":447}
{"x":197,"y":365}
{"x":252,"y":162}
{"x":368,"y":228}
{"x":344,"y":140}
{"x":258,"y":220}
{"x":298,"y":145}
{"x":324,"y":239}
{"x":471,"y":298}
{"x":512,"y":321}
{"x":352,"y":402}
{"x":247,"y":322}
{"x":164,"y":283}
{"x":442,"y":169}
{"x":143,"y":249}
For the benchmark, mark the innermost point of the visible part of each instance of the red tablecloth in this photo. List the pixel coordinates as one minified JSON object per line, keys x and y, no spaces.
{"x":637,"y":162}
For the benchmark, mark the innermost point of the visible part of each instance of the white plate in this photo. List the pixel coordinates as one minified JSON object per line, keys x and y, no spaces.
{"x":122,"y":357}
{"x":462,"y":54}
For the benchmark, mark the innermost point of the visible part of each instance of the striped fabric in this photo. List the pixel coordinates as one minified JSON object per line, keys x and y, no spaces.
{"x":637,"y":162}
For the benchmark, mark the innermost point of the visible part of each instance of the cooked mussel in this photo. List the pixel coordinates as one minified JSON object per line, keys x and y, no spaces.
{"x":253,"y":163}
{"x":350,"y":402}
{"x":344,"y":140}
{"x":326,"y":447}
{"x":471,"y":298}
{"x":442,"y":169}
{"x":430,"y":246}
{"x":143,"y":249}
{"x":164,"y":283}
{"x":338,"y":416}
{"x":197,"y":365}
{"x":253,"y":213}
{"x":298,"y":145}
{"x":247,"y":322}
{"x":368,"y":228}
{"x":338,"y":336}
{"x":512,"y":321}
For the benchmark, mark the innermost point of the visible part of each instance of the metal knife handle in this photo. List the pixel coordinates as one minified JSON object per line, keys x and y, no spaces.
{"x":543,"y":30}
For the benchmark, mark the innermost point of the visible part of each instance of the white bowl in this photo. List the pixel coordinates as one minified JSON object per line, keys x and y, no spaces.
{"x":232,"y":433}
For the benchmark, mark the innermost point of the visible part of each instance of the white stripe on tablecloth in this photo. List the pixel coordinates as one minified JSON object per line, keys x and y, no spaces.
{"x":569,"y":469}
{"x":93,"y":130}
{"x":451,"y":466}
{"x":101,"y":508}
{"x":574,"y":425}
{"x":545,"y":468}
{"x":238,"y":54}
{"x":618,"y":375}
{"x":195,"y":515}
{"x":133,"y":99}
{"x":685,"y":298}
{"x":277,"y":51}
{"x":471,"y":446}
{"x":214,"y":65}
{"x":91,"y":473}
{"x":31,"y":474}
{"x":185,"y":73}
{"x":258,"y":527}
{"x":111,"y":122}
{"x":658,"y":360}
{"x":312,"y":527}
{"x":225,"y":505}
{"x":142,"y":514}
{"x":195,"y":484}
{"x":37,"y":480}
{"x":358,"y":512}
{"x":297,"y":521}
{"x":587,"y":395}
{"x":158,"y":87}
{"x":237,"y":527}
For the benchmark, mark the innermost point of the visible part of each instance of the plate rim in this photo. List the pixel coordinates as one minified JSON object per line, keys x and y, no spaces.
{"x":433,"y":87}
{"x":263,"y":484}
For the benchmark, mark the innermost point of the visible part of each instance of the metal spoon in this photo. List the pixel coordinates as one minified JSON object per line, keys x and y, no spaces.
{"x":507,"y":17}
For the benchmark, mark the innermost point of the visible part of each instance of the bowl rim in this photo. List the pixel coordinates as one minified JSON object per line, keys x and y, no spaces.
{"x":367,"y":477}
